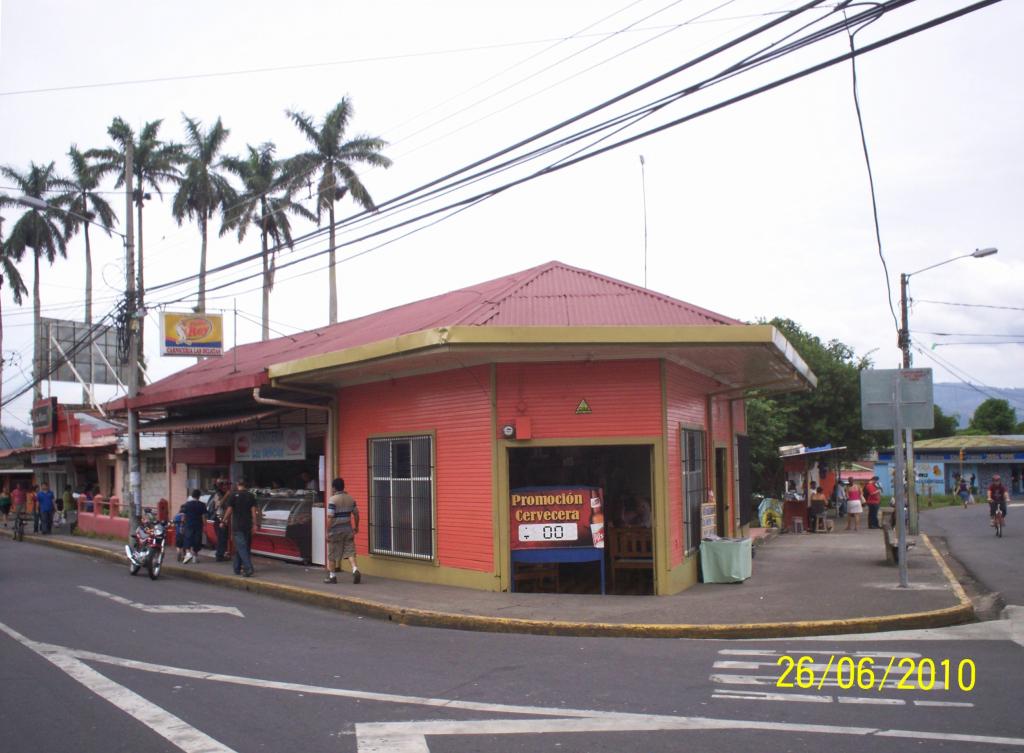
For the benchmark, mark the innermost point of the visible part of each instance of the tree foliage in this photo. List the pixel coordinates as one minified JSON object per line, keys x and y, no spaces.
{"x":203,"y":191}
{"x":828,"y":414}
{"x":265,"y":202}
{"x":334,"y":157}
{"x":993,"y":416}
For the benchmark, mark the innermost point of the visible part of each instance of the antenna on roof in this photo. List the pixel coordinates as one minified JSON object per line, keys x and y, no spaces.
{"x":643,"y":188}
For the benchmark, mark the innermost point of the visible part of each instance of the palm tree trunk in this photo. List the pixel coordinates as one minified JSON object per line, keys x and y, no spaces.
{"x":88,"y":311}
{"x":332,"y":280}
{"x":37,"y":389}
{"x":202,"y":266}
{"x":267,"y":283}
{"x":141,"y":289}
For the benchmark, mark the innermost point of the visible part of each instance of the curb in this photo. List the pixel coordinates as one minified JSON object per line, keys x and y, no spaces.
{"x":964,"y":612}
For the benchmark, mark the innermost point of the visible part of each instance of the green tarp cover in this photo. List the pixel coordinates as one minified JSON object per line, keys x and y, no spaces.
{"x":725,"y":560}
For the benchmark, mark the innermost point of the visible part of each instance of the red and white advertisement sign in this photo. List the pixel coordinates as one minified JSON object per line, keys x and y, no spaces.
{"x":271,"y":444}
{"x":556,"y":516}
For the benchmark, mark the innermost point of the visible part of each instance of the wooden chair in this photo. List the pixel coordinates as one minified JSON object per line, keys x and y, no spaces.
{"x":630,"y":549}
{"x":540,"y":576}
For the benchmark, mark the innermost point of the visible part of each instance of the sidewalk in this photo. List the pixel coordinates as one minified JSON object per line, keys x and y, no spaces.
{"x":802,"y":584}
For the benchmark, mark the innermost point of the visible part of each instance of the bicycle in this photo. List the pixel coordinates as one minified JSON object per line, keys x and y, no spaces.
{"x":997,"y":522}
{"x":19,"y":527}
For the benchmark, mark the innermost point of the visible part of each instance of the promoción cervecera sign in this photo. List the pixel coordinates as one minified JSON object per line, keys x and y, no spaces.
{"x":556,"y":516}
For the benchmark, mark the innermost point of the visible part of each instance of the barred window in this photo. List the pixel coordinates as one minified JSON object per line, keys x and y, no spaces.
{"x":402,"y":497}
{"x":156,"y":464}
{"x":695,"y":490}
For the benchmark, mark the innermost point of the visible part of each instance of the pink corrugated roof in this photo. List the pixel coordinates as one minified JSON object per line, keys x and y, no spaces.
{"x":553,"y":294}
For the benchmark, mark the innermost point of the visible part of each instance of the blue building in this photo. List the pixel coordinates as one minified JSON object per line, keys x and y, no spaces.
{"x":938,"y":463}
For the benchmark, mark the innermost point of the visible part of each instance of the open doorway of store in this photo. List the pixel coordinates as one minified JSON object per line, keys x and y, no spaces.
{"x":623,"y":474}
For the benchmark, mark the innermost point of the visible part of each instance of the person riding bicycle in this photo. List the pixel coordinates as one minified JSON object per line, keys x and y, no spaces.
{"x":997,"y":498}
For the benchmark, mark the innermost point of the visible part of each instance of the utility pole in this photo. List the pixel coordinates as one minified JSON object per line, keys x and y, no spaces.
{"x":904,"y":343}
{"x":132,"y":322}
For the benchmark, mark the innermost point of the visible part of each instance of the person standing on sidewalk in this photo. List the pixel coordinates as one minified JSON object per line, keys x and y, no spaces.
{"x":218,"y":517}
{"x":47,"y":507}
{"x":853,"y":507}
{"x":33,"y":507}
{"x":344,"y":525}
{"x":240,"y":509}
{"x":195,"y":516}
{"x":873,"y":499}
{"x":5,"y":504}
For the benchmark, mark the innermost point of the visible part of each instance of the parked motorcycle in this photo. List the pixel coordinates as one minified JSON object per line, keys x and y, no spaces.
{"x":147,"y":549}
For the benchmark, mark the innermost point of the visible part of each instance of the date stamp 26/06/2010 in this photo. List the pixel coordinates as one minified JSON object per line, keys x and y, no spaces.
{"x":870,"y":673}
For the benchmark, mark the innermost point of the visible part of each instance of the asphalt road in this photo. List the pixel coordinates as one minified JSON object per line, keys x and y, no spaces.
{"x":998,"y":563}
{"x":94,"y":660}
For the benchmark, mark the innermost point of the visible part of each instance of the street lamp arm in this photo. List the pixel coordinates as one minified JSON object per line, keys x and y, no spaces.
{"x":36,"y":203}
{"x":977,"y":254}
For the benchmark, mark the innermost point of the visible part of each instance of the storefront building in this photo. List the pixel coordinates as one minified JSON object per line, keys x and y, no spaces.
{"x":551,"y":430}
{"x":938,"y":463}
{"x":73,"y":449}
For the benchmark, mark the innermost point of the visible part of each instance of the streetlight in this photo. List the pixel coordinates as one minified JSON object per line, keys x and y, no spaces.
{"x":34,"y":202}
{"x":904,"y":344}
{"x":904,"y":338}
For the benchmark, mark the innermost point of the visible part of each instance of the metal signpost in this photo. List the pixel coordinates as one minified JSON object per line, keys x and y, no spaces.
{"x":898,"y":400}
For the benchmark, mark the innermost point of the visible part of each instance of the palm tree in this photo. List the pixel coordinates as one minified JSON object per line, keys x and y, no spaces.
{"x":85,"y":205}
{"x":154,"y":162}
{"x":202,"y":190}
{"x":333,"y":158}
{"x":9,"y":273}
{"x":265,"y":202}
{"x":41,"y":230}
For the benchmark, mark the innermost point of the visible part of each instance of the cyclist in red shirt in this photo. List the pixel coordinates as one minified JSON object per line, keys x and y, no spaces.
{"x":998,"y":496}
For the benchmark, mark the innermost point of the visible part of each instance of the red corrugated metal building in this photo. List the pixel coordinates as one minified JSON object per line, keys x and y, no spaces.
{"x":519,"y":433}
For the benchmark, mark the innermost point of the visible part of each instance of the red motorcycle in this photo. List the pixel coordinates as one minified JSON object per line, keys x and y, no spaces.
{"x":147,"y":549}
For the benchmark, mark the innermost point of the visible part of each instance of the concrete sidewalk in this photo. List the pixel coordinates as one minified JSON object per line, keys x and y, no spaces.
{"x":802,"y":584}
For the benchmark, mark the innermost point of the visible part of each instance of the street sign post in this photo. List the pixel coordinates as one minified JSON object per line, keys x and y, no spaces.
{"x":898,"y":399}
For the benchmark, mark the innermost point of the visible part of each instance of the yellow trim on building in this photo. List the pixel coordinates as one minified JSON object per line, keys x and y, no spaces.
{"x":469,"y":336}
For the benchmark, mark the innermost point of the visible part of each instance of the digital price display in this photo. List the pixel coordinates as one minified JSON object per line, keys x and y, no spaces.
{"x":530,"y":532}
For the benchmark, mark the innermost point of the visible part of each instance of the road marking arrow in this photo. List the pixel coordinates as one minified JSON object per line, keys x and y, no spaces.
{"x":166,"y":608}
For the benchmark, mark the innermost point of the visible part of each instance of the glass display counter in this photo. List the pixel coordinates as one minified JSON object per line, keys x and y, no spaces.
{"x":285,"y":527}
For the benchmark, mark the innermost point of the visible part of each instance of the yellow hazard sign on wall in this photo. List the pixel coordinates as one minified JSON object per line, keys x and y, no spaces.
{"x":583,"y":407}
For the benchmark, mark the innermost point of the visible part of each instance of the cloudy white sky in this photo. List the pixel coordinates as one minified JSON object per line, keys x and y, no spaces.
{"x":759,"y":209}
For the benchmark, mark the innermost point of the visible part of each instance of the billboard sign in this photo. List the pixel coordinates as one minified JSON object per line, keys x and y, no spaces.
{"x":64,"y":346}
{"x":191,"y":334}
{"x":556,"y":516}
{"x":271,"y":444}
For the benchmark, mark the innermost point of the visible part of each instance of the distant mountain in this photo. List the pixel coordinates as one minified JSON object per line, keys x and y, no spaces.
{"x":16,"y":437}
{"x":959,"y":399}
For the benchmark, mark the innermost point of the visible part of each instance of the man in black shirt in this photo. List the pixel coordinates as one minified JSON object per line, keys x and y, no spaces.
{"x":240,"y":509}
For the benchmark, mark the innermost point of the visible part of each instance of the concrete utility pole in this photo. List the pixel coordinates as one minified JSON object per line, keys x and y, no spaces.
{"x":911,"y":468}
{"x":132,"y":314}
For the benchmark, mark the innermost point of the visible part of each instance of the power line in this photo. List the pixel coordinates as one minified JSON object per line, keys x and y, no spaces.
{"x":971,"y":305}
{"x":966,"y":378}
{"x":435,"y":186}
{"x":562,"y":165}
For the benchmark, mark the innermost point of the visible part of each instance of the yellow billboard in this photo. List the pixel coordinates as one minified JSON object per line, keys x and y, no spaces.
{"x":191,"y":334}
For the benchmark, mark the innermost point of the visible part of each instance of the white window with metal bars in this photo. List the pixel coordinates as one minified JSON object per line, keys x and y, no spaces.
{"x":401,"y":502}
{"x":695,"y":489}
